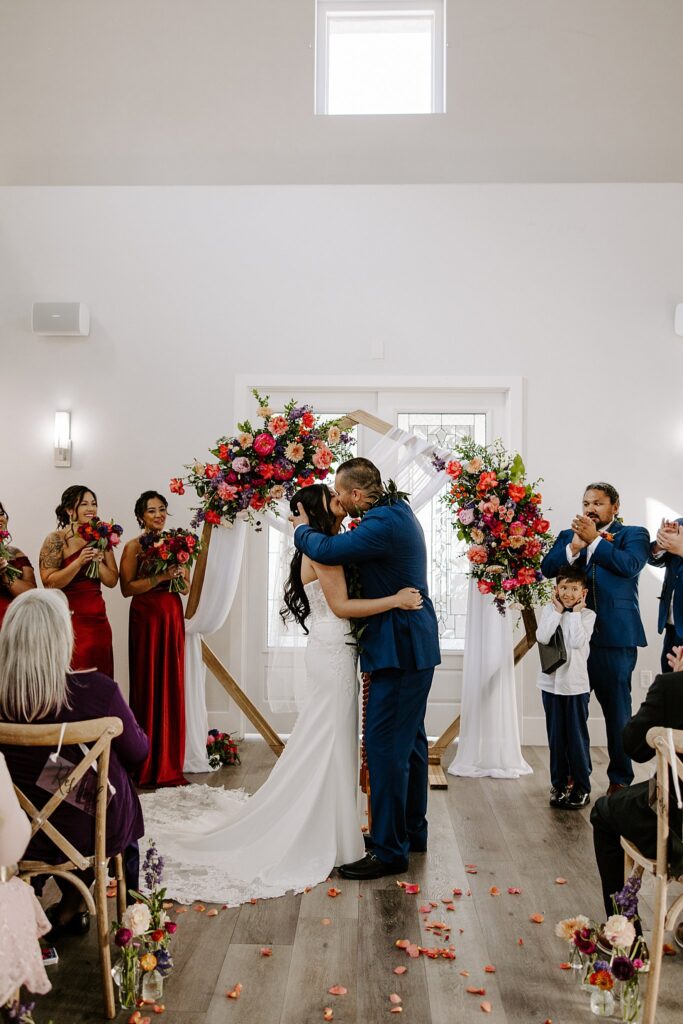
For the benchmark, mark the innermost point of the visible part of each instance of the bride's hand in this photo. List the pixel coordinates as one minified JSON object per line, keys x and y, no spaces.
{"x":409,"y":599}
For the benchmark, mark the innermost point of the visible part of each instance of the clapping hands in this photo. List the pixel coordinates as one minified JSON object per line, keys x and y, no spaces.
{"x":670,"y":537}
{"x":675,"y":659}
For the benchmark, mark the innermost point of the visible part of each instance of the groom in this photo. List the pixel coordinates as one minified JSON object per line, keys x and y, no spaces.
{"x":399,"y":650}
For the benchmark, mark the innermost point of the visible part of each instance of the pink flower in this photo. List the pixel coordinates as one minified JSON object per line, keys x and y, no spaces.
{"x":276,"y":492}
{"x":510,"y":584}
{"x":484,"y":587}
{"x":323,"y":457}
{"x":277,"y":425}
{"x":489,"y":506}
{"x":466,"y":516}
{"x":264,"y":444}
{"x":478,"y":554}
{"x":334,"y":435}
{"x":517,"y":529}
{"x":115,"y":539}
{"x":474,"y":465}
{"x":532,"y":548}
{"x":245,"y":440}
{"x":176,"y":485}
{"x":241,"y":464}
{"x":226,"y":492}
{"x":171,"y":927}
{"x":454,"y":469}
{"x":212,"y":470}
{"x":183,"y":556}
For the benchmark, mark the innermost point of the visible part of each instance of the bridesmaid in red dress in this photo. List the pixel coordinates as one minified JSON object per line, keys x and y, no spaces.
{"x":156,"y":651}
{"x":12,"y":587}
{"x":64,"y":558}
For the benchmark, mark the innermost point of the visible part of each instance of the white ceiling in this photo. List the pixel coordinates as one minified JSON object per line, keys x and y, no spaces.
{"x":221,"y":92}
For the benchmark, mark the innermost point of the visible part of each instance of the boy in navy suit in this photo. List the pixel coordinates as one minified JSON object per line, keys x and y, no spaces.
{"x":667,"y":552}
{"x":399,"y":650}
{"x":612,"y":556}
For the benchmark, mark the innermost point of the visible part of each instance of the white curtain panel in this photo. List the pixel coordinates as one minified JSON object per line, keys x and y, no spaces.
{"x":489,"y":735}
{"x":218,"y":592}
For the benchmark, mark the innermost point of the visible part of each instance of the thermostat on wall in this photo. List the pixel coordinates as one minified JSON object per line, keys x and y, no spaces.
{"x":61,"y":318}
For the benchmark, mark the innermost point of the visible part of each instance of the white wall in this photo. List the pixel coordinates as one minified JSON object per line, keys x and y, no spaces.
{"x":220,"y":92}
{"x":571,"y":287}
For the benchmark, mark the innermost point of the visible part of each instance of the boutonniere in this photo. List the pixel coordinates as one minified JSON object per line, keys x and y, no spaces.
{"x":606,"y":535}
{"x":391,"y":494}
{"x":353,"y":523}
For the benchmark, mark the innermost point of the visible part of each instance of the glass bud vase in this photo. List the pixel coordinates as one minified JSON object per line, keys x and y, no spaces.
{"x":631,"y":1003}
{"x":576,"y":961}
{"x":126,"y":975}
{"x":152,"y":986}
{"x":602,"y":1002}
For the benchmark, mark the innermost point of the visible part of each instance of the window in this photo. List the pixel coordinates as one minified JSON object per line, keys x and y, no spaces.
{"x":446,"y":561}
{"x":380,"y":57}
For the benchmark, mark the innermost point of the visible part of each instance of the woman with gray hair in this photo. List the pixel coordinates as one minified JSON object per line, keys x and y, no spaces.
{"x":37,"y":686}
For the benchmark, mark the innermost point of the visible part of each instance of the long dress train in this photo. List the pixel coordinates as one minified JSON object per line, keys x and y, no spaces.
{"x":222,"y":846}
{"x":92,"y":632}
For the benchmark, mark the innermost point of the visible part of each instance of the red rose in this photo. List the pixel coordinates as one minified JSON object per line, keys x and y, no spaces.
{"x":308,"y":420}
{"x":223,"y":452}
{"x":212,"y":470}
{"x":487,"y":480}
{"x":532,"y":548}
{"x":212,"y":517}
{"x":484,"y":587}
{"x":526,"y":576}
{"x":516,"y":491}
{"x":257,"y":502}
{"x":541,"y":526}
{"x":176,"y":486}
{"x":454,"y":469}
{"x":157,"y":935}
{"x":305,"y":481}
{"x":171,"y":927}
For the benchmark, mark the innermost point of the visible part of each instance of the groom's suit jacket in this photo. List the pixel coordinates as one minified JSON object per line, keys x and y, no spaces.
{"x":613,"y":573}
{"x":388,"y":547}
{"x":672,"y":589}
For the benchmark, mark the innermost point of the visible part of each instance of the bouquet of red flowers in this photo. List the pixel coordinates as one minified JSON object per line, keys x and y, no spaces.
{"x":160,"y":551}
{"x":101,"y":534}
{"x":498,"y":514}
{"x":10,"y":573}
{"x":222,"y":750}
{"x":264,"y":463}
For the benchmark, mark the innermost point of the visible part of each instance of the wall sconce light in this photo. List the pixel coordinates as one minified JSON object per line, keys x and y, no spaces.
{"x":62,"y":439}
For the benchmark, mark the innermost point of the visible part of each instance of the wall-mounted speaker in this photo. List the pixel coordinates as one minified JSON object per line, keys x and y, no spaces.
{"x":61,"y":318}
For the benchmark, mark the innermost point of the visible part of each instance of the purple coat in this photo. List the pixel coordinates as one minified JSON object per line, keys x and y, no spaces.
{"x":91,"y":695}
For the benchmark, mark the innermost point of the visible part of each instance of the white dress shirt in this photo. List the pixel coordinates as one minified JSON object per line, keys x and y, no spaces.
{"x":577,"y":627}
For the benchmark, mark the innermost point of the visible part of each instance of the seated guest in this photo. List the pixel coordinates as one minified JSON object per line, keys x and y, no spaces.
{"x":566,"y":691}
{"x":667,"y":551}
{"x":36,"y":686}
{"x":12,"y":585}
{"x":612,"y":556}
{"x":23,"y":920}
{"x":628,"y":812}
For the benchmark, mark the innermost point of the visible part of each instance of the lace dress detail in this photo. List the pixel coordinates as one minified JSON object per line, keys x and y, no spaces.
{"x":22,"y":922}
{"x":223,"y":846}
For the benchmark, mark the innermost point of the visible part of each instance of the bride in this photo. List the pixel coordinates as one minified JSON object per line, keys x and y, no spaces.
{"x":222,"y":846}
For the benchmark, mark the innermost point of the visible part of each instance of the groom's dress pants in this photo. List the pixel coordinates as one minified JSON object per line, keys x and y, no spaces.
{"x":396,"y":746}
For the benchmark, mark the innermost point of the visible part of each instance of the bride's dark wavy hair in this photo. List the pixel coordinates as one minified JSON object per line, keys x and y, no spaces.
{"x":296,"y":604}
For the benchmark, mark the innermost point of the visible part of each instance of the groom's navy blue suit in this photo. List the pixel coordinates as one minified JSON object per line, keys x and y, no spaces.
{"x":400,"y":649}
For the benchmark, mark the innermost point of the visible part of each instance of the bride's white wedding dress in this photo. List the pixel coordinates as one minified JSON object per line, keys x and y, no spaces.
{"x":223,"y":846}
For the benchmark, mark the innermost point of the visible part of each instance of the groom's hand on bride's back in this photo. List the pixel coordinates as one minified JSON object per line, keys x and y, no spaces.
{"x":409,"y":599}
{"x":299,"y":518}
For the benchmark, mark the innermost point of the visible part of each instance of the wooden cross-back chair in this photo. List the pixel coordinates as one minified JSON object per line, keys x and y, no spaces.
{"x":634,"y":860}
{"x":100,"y":732}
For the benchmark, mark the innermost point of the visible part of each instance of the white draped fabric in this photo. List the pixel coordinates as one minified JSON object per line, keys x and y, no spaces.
{"x":489,"y":735}
{"x":218,"y":592}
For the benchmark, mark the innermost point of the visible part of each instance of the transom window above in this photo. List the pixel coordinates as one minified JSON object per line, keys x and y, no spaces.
{"x":380,"y":57}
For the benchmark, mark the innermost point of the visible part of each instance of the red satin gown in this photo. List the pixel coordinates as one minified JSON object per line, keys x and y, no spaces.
{"x":92,"y":632}
{"x":156,"y":658}
{"x":20,"y":562}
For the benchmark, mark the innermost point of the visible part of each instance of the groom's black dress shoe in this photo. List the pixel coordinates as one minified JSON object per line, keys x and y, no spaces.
{"x":372,"y":867}
{"x":415,"y":845}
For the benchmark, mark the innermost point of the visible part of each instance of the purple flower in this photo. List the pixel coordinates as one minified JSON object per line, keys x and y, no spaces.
{"x":622,"y":968}
{"x":122,"y":937}
{"x":601,"y":965}
{"x":626,"y":900}
{"x":164,"y":961}
{"x":297,"y":412}
{"x":241,"y":464}
{"x":153,"y":867}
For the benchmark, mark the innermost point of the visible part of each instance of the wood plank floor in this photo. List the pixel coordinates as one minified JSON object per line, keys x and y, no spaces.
{"x":505,"y":828}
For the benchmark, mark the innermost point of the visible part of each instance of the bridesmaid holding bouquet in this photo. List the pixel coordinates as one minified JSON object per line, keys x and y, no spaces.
{"x":16,"y":572}
{"x":69,"y":561}
{"x":156,"y":644}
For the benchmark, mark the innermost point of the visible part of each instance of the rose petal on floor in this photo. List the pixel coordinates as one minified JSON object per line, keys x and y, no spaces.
{"x":266,"y":951}
{"x":337,"y":990}
{"x":474,"y":991}
{"x":328,"y":1013}
{"x":212,"y":913}
{"x":560,"y":881}
{"x":514,"y":891}
{"x":395,"y":999}
{"x":332,"y":892}
{"x":490,"y":969}
{"x":494,"y":891}
{"x":537,"y":918}
{"x":235,"y":992}
{"x":326,"y":920}
{"x":486,"y":1007}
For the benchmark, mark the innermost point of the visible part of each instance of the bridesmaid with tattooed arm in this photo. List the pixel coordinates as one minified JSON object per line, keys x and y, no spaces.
{"x":12,"y":585}
{"x":64,"y":559}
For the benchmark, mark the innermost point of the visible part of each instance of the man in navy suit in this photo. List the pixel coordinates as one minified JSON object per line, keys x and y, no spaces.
{"x":612,"y":556}
{"x":400,"y":651}
{"x":667,"y":551}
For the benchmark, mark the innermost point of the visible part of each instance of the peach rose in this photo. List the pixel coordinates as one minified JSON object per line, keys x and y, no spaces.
{"x":294,"y":451}
{"x":245,"y":440}
{"x":334,"y":435}
{"x":477,"y":554}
